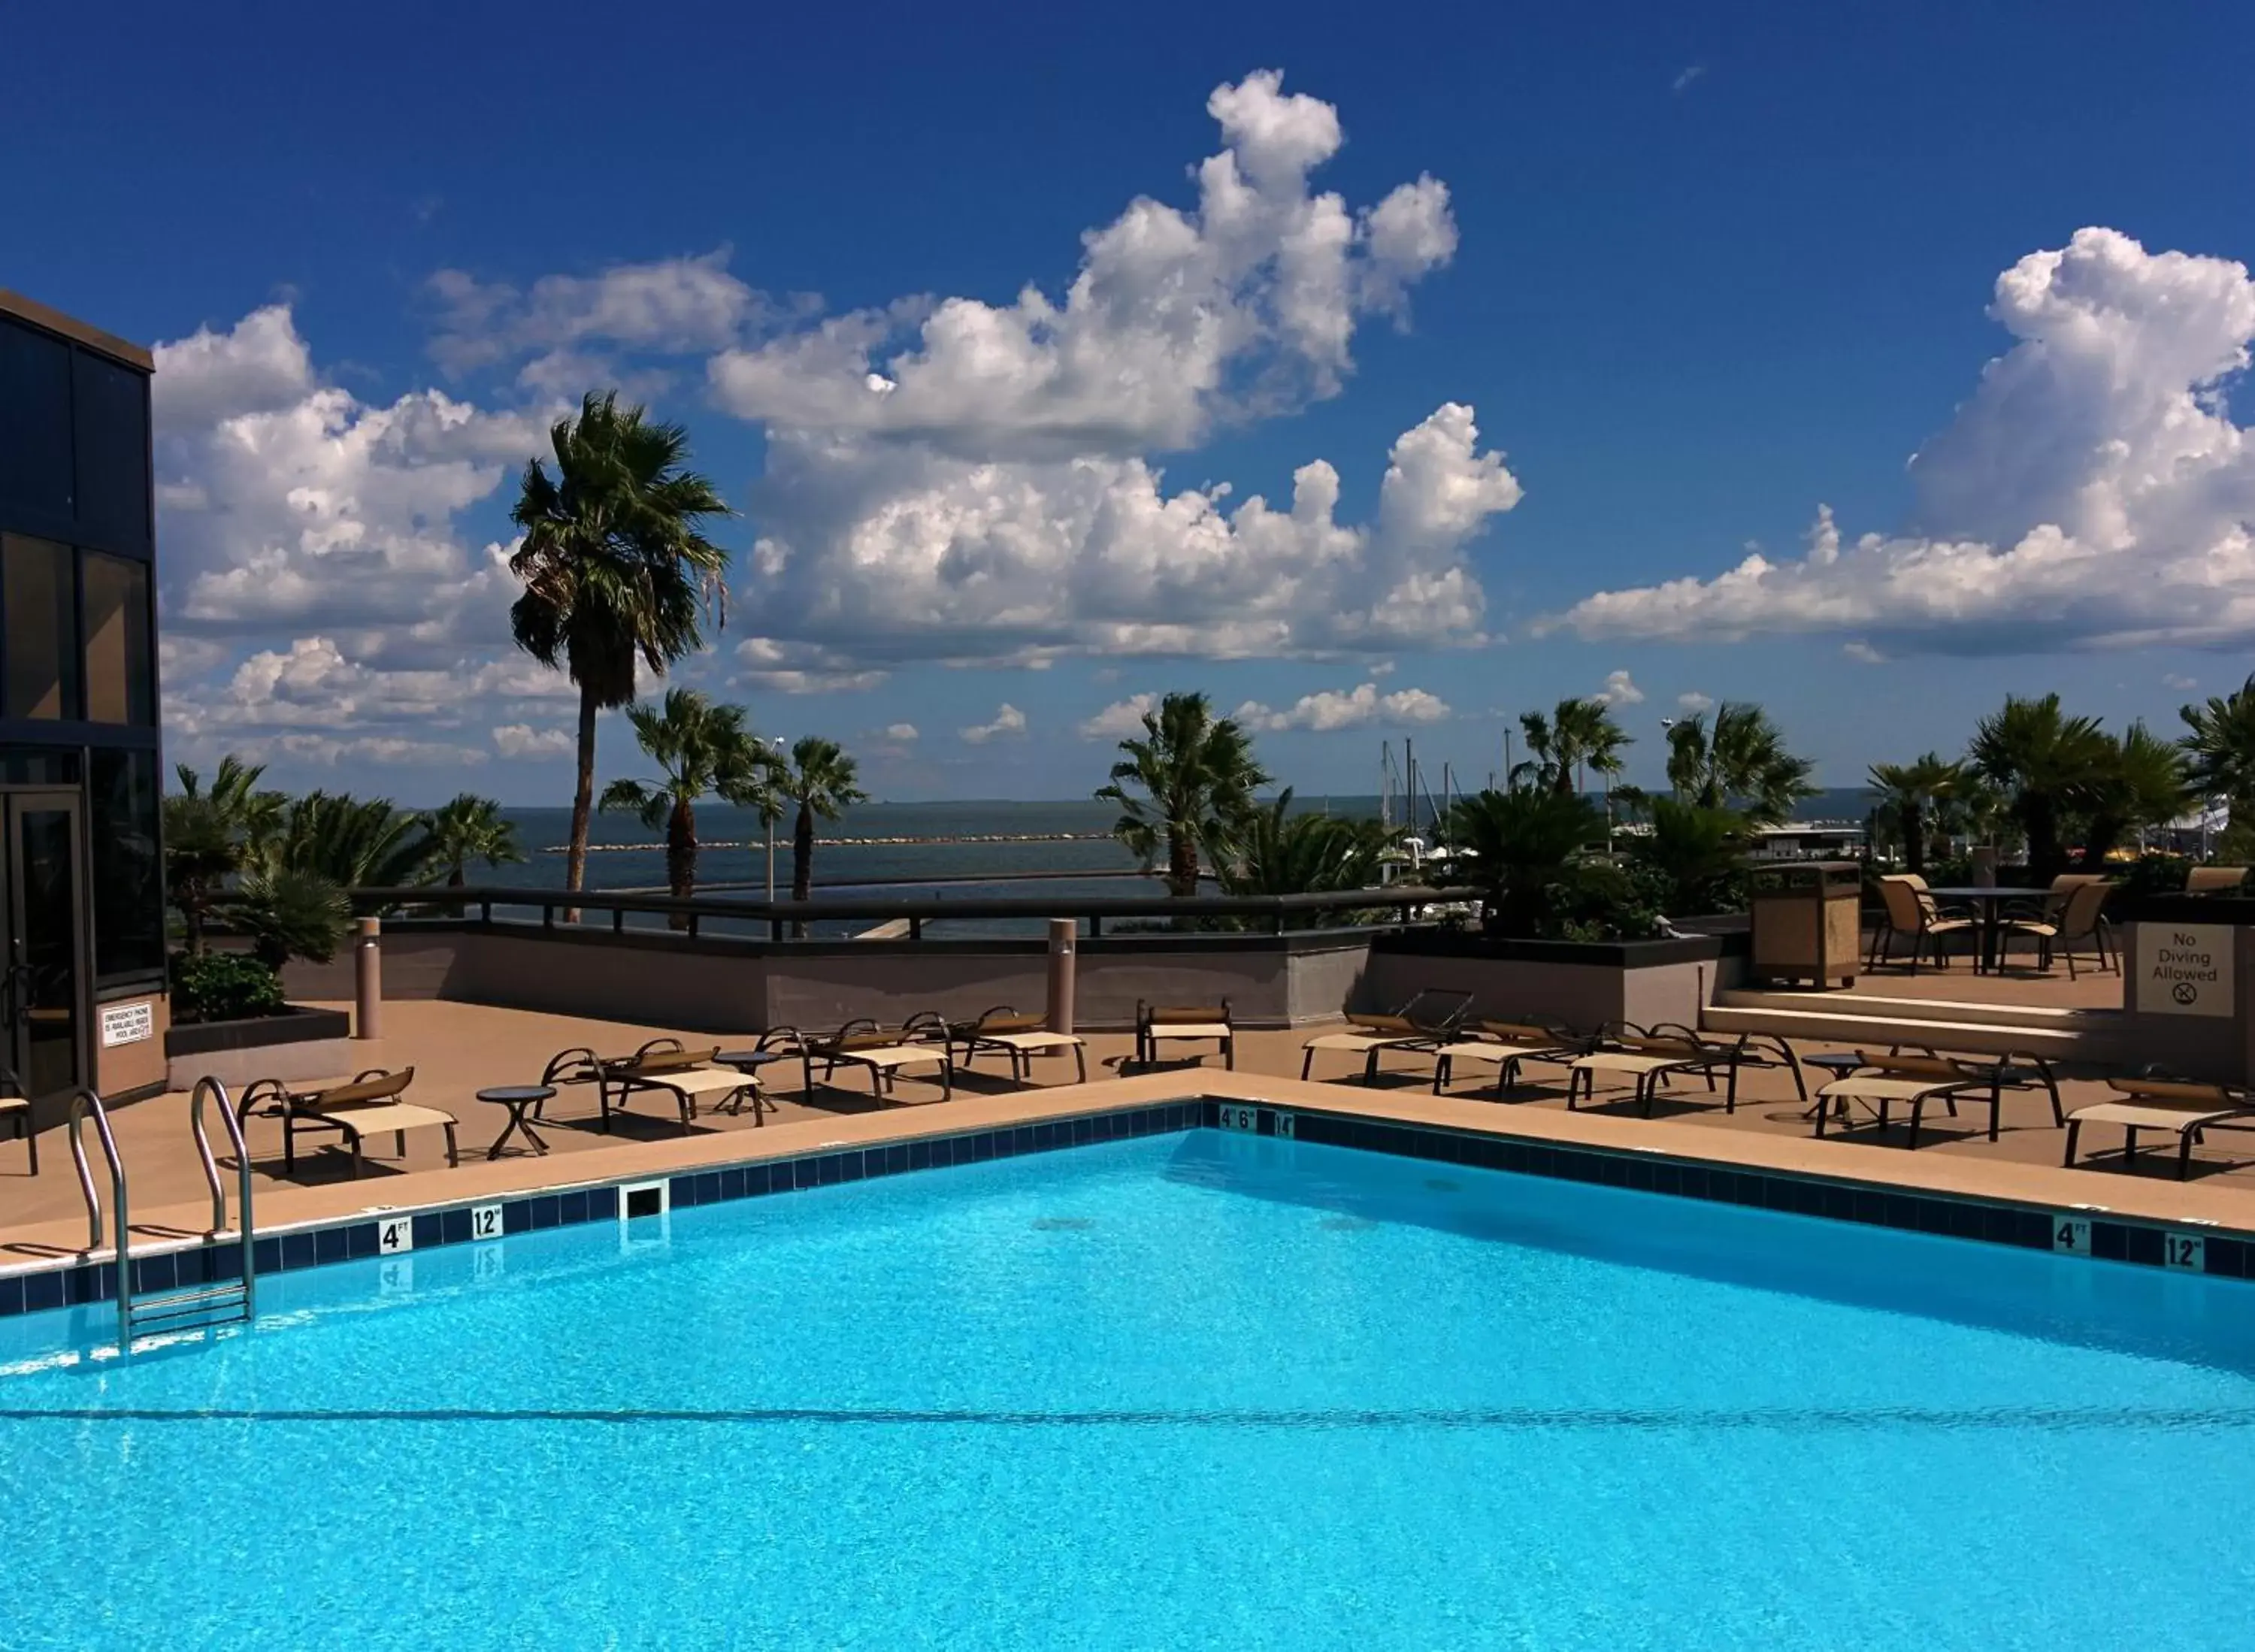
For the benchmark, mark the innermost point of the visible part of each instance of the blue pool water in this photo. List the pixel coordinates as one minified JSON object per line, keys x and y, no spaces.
{"x":1187,"y":1391}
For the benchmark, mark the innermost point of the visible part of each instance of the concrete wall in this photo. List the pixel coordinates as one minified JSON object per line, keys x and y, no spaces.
{"x":744,"y":986}
{"x":121,"y":1069}
{"x":1586,"y":995}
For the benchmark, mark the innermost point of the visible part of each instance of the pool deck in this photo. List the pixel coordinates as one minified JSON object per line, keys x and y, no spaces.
{"x":458,"y":1049}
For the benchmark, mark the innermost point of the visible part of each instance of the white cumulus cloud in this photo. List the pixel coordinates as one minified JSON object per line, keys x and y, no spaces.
{"x":1693,"y":700}
{"x":1357,"y":707}
{"x":1121,"y":720}
{"x":1619,"y":690}
{"x":1007,"y":720}
{"x":521,"y":740}
{"x":2093,"y":492}
{"x":968,"y":482}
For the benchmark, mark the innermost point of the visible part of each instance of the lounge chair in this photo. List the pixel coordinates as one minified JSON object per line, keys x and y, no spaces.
{"x":2182,"y":1106}
{"x":883,"y":1052}
{"x":1005,"y":1032}
{"x":16,"y":1107}
{"x":369,"y":1105}
{"x":662,"y":1067}
{"x":1185,"y":1023}
{"x":1507,"y":1046}
{"x":1908,"y":910}
{"x":1425,"y":1022}
{"x":1914,"y":1080}
{"x":2215,"y":880}
{"x":1651,"y":1055}
{"x":2077,"y":916}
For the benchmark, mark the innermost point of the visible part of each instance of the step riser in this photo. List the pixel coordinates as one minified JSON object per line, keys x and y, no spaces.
{"x":1882,"y":1031}
{"x":1921,"y":1010}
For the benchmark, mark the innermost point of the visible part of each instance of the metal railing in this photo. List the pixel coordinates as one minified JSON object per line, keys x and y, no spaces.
{"x":173,"y":1309}
{"x":782,"y":918}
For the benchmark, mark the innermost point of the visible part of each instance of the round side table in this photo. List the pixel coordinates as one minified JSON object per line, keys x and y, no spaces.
{"x":519,"y":1099}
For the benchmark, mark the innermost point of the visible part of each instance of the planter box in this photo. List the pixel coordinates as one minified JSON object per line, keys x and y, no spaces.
{"x":298,"y":1043}
{"x":1585,"y":984}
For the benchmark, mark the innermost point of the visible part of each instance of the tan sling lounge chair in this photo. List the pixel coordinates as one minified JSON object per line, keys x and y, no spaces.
{"x":1017,"y":1037}
{"x":2073,"y":914}
{"x":1910,"y":911}
{"x":664,"y":1068}
{"x":1914,"y":1080}
{"x":1184,"y":1024}
{"x":1507,"y":1046}
{"x":1425,"y":1022}
{"x":883,"y":1052}
{"x":1652,"y":1055}
{"x":370,"y":1105}
{"x":16,"y":1109}
{"x":2180,"y":1107}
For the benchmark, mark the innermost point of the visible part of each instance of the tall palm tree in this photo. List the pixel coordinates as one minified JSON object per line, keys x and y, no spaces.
{"x":1740,"y":760}
{"x":615,"y":568}
{"x":2047,"y":764}
{"x":2142,"y":781}
{"x":253,"y":817}
{"x":820,"y":781}
{"x":699,"y":748}
{"x":471,"y":828}
{"x":1577,"y":735}
{"x":1910,"y":792}
{"x":2222,"y":746}
{"x":1197,"y":775}
{"x":353,"y":842}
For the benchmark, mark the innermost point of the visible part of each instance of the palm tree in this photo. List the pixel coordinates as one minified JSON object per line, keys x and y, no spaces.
{"x":1741,"y":761}
{"x":353,"y":842}
{"x":1694,"y":853}
{"x":1276,"y":851}
{"x":2141,"y":782}
{"x":2047,"y":764}
{"x":1907,"y":791}
{"x":1578,"y":734}
{"x":1524,"y":846}
{"x":615,"y":566}
{"x":820,"y":781}
{"x":253,"y":816}
{"x":472,"y":828}
{"x":699,"y":748}
{"x":201,"y":848}
{"x":2222,"y":746}
{"x":1197,"y":775}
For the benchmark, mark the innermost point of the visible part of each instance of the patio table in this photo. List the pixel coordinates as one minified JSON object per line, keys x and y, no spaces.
{"x":1987,"y":899}
{"x":517,"y":1098}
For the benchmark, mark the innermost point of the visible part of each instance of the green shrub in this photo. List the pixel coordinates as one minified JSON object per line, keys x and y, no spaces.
{"x":223,"y":987}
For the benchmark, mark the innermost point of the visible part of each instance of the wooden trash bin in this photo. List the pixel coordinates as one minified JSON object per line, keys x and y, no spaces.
{"x":1807,"y":917}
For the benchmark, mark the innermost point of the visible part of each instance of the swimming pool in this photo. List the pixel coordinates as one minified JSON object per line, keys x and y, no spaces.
{"x":1186,"y":1390}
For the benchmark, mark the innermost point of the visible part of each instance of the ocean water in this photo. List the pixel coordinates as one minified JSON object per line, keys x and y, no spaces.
{"x":1194,"y":1391}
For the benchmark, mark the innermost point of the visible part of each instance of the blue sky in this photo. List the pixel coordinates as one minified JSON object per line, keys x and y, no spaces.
{"x":1694,"y":271}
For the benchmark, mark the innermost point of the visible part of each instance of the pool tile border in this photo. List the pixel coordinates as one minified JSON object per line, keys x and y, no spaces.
{"x":2222,"y":1253}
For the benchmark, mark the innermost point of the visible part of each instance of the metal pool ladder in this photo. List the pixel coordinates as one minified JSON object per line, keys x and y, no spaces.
{"x":197,"y":1306}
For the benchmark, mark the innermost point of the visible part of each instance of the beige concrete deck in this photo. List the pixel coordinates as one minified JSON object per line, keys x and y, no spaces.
{"x":458,"y":1049}
{"x":1960,"y":984}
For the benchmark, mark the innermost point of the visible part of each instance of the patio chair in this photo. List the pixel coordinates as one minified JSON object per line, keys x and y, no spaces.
{"x":883,"y":1052}
{"x":1424,"y":1023}
{"x":1185,"y":1023}
{"x":1913,"y":1080}
{"x":664,"y":1068}
{"x":16,"y":1107}
{"x":367,"y":1105}
{"x":1003,"y":1032}
{"x":2079,"y":918}
{"x":1508,"y":1045}
{"x":2215,"y":880}
{"x":1908,"y":910}
{"x":1651,"y":1055}
{"x":2182,"y":1106}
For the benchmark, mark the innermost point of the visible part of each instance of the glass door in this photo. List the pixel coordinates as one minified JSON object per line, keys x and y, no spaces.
{"x":44,"y":1000}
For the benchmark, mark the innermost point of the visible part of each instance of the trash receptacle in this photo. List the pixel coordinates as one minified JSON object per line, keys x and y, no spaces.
{"x":1807,"y":917}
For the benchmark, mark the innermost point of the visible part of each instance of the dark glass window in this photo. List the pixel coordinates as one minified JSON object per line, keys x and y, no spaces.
{"x":39,"y":766}
{"x":117,"y":674}
{"x":35,"y":420}
{"x":38,"y":602}
{"x":111,"y":411}
{"x":129,"y":882}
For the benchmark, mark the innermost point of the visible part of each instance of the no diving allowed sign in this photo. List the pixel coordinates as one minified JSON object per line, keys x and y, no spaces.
{"x":2185,"y":969}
